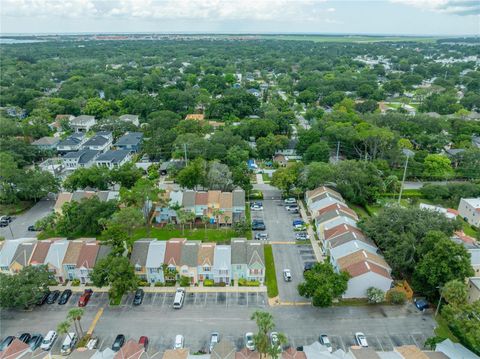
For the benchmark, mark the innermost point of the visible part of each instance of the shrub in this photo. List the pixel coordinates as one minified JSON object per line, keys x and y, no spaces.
{"x":396,"y":296}
{"x":248,"y":283}
{"x":159,"y":284}
{"x":220,"y":284}
{"x":143,"y":283}
{"x":170,"y":283}
{"x":52,"y":282}
{"x":208,"y":283}
{"x":82,"y":342}
{"x":75,"y":282}
{"x":375,"y":295}
{"x":184,"y":281}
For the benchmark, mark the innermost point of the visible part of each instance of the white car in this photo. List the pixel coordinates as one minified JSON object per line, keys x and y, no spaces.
{"x":179,"y":342}
{"x":325,"y":342}
{"x":48,"y":340}
{"x":290,"y":200}
{"x":292,"y":208}
{"x":361,"y":339}
{"x":249,"y":343}
{"x":262,"y":236}
{"x":214,"y":339}
{"x":256,"y":206}
{"x":287,"y":275}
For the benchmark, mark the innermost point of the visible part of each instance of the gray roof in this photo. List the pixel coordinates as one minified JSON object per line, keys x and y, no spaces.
{"x":239,"y":250}
{"x":222,"y":256}
{"x":103,"y":251}
{"x":350,"y":236}
{"x":255,"y":253}
{"x":333,"y":214}
{"x":23,"y":252}
{"x":128,"y":117}
{"x":238,"y":198}
{"x":156,"y":254}
{"x":100,"y":139}
{"x":84,"y":156}
{"x":188,"y":199}
{"x":190,"y":253}
{"x":474,"y":256}
{"x":72,"y":140}
{"x":56,"y":253}
{"x":140,"y":252}
{"x":130,"y":138}
{"x":82,"y":119}
{"x":114,"y":156}
{"x":9,"y":249}
{"x":223,"y":350}
{"x":46,"y":141}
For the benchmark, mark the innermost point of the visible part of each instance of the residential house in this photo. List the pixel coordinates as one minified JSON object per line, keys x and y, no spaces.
{"x":245,"y":353}
{"x":16,"y":350}
{"x":46,"y":143}
{"x":213,"y":205}
{"x":131,"y":350}
{"x":473,"y":289}
{"x":292,"y":353}
{"x":360,"y":255}
{"x":367,"y":353}
{"x":454,"y":350}
{"x":133,"y":119}
{"x":222,"y":267}
{"x":205,"y":261}
{"x":188,"y":201}
{"x":449,"y":213}
{"x":154,"y":263}
{"x":475,"y":260}
{"x":77,"y":196}
{"x":323,"y":200}
{"x":347,"y":243}
{"x":469,"y":210}
{"x":22,"y":255}
{"x":79,"y":159}
{"x":175,"y":354}
{"x":334,"y":215}
{"x":280,"y":159}
{"x":72,"y":143}
{"x":101,"y":141}
{"x":57,"y":124}
{"x":311,"y":196}
{"x":130,"y":141}
{"x":52,"y":165}
{"x":239,"y":258}
{"x":225,"y":350}
{"x":71,"y":258}
{"x":8,"y":251}
{"x":55,"y":257}
{"x":83,"y":123}
{"x":254,"y":92}
{"x":195,"y":116}
{"x":189,"y":260}
{"x":255,"y":261}
{"x":226,"y":207}
{"x":86,"y":261}
{"x":339,"y":230}
{"x":173,"y":253}
{"x":171,"y":166}
{"x":40,"y":252}
{"x":201,"y":203}
{"x":113,"y":158}
{"x":238,"y":202}
{"x":103,"y":252}
{"x":139,"y":255}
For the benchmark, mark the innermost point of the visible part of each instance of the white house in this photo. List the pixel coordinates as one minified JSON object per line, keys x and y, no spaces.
{"x":154,"y":263}
{"x":72,"y":143}
{"x":469,"y":209}
{"x":222,"y":268}
{"x":102,"y":141}
{"x":78,"y":159}
{"x":113,"y":158}
{"x":447,"y":212}
{"x":83,"y":123}
{"x":133,"y":119}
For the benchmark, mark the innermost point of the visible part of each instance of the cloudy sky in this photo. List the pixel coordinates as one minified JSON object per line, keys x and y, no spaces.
{"x":408,"y":17}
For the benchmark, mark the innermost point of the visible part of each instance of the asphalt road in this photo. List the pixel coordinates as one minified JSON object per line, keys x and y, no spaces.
{"x":19,"y":226}
{"x":384,"y":326}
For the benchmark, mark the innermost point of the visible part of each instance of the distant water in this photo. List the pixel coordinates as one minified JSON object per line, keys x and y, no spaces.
{"x":7,"y":41}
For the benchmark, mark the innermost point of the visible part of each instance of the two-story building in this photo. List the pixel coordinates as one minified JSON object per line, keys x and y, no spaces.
{"x":173,"y":254}
{"x":79,"y":159}
{"x":101,"y":142}
{"x":469,"y":209}
{"x":222,"y":267}
{"x":7,"y":254}
{"x":205,"y":261}
{"x":138,"y":258}
{"x":86,"y":260}
{"x":22,"y":255}
{"x":46,"y":143}
{"x":83,"y":123}
{"x":72,"y":143}
{"x":133,"y":119}
{"x":189,"y":260}
{"x":55,"y":257}
{"x":154,"y":263}
{"x":71,"y":258}
{"x":130,"y":141}
{"x":113,"y":158}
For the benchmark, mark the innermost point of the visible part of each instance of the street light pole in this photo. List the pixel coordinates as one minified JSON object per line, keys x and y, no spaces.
{"x":438,"y":305}
{"x":407,"y":153}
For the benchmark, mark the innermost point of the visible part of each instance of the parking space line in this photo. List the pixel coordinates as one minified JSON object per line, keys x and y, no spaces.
{"x":205,"y":302}
{"x":341,"y":342}
{"x":163,"y":301}
{"x":379,"y":343}
{"x":247,"y":299}
{"x":411,"y":336}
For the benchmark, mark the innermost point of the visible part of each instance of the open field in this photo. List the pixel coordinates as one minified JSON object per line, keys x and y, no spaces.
{"x":349,"y":38}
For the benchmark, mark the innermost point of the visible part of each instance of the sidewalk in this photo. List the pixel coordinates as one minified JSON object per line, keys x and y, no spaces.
{"x":259,"y":178}
{"x":315,"y":245}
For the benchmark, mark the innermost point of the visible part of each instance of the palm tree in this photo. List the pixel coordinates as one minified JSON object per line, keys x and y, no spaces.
{"x":205,"y":221}
{"x":265,"y":325}
{"x":75,"y":315}
{"x":64,"y":327}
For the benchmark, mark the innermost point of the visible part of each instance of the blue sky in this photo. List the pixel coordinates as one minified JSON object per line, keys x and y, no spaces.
{"x":403,"y":17}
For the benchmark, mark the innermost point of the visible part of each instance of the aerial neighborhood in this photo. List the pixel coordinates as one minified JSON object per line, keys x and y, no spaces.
{"x":248,"y":196}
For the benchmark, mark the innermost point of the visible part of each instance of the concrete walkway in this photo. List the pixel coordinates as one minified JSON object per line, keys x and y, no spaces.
{"x":315,"y":245}
{"x":259,"y":178}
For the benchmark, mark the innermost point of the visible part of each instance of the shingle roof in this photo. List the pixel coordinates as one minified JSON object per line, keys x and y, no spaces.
{"x":81,"y":120}
{"x":255,"y":253}
{"x":205,"y":254}
{"x":84,"y":156}
{"x":364,"y":353}
{"x":24,"y":251}
{"x":292,"y":353}
{"x":100,"y":139}
{"x":223,"y":350}
{"x":361,"y":256}
{"x":88,"y":255}
{"x":71,"y":140}
{"x":62,"y":198}
{"x":214,"y":198}
{"x":73,"y":251}
{"x":46,"y":141}
{"x":188,"y":199}
{"x":131,"y":350}
{"x":363,"y":267}
{"x":350,"y":237}
{"x":247,"y":354}
{"x":114,"y":156}
{"x":9,"y":249}
{"x":339,"y":230}
{"x":411,"y":352}
{"x":201,"y":198}
{"x":222,"y":256}
{"x":103,"y":251}
{"x":335,"y":213}
{"x":337,"y":206}
{"x":238,"y":198}
{"x":14,"y":350}
{"x":322,"y":190}
{"x":156,"y":254}
{"x":239,"y":250}
{"x":140,"y":252}
{"x":129,"y":138}
{"x":226,"y":200}
{"x":175,"y":354}
{"x":57,"y":252}
{"x":40,"y":252}
{"x":190,"y":253}
{"x":173,"y":252}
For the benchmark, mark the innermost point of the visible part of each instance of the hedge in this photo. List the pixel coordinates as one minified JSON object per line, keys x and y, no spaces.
{"x":270,"y":274}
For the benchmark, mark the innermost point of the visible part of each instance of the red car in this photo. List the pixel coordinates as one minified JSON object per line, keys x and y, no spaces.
{"x":143,"y":341}
{"x":85,"y":297}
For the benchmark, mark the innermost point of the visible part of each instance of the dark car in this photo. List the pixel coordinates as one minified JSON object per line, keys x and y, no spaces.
{"x":66,"y":294}
{"x":138,"y":299}
{"x":421,"y":303}
{"x":308,"y":266}
{"x":32,"y":229}
{"x":35,"y":341}
{"x":4,"y":223}
{"x":258,"y":225}
{"x":118,"y":342}
{"x":6,"y":342}
{"x":25,"y":337}
{"x":43,"y":298}
{"x":85,"y":297}
{"x":53,"y":296}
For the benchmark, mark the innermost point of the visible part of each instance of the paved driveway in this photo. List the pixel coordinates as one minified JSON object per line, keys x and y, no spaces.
{"x":19,"y":226}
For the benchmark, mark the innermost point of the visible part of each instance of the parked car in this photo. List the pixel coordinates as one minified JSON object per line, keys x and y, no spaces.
{"x":138,"y":299}
{"x":214,"y":339}
{"x":421,"y":304}
{"x":256,"y":206}
{"x":308,"y":266}
{"x":297,"y":221}
{"x":258,"y":225}
{"x":361,"y":339}
{"x":48,"y":340}
{"x":85,"y":297}
{"x":179,"y":342}
{"x":274,"y":340}
{"x":32,"y":228}
{"x":144,"y":342}
{"x":6,"y":342}
{"x":43,"y":298}
{"x":287,"y":275}
{"x":67,"y":293}
{"x":261,"y":236}
{"x":25,"y":337}
{"x":118,"y":342}
{"x":249,"y":343}
{"x":6,"y":219}
{"x":290,"y":200}
{"x":324,"y":340}
{"x":179,"y":298}
{"x":92,"y":343}
{"x":4,"y":223}
{"x":292,"y":208}
{"x":302,"y":236}
{"x":35,"y":341}
{"x":53,"y":296}
{"x":69,"y":344}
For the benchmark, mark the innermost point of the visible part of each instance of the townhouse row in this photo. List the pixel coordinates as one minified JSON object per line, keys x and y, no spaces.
{"x":346,"y":245}
{"x":154,"y":260}
{"x":65,"y":260}
{"x":219,"y":207}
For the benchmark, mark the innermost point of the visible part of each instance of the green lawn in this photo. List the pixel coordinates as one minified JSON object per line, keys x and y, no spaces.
{"x":270,"y":274}
{"x":443,"y":331}
{"x":220,"y":235}
{"x":469,"y":231}
{"x":266,"y":178}
{"x":15,"y":208}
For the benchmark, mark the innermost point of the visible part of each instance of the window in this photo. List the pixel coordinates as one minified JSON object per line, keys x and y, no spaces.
{"x":206,"y":269}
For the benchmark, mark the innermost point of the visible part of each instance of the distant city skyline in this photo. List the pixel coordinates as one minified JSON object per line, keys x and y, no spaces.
{"x":389,"y":17}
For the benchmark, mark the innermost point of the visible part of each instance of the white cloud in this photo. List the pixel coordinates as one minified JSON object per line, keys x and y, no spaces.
{"x":457,"y":7}
{"x":216,"y":10}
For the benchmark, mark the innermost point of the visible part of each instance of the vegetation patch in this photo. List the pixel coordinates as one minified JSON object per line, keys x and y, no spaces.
{"x":270,"y":274}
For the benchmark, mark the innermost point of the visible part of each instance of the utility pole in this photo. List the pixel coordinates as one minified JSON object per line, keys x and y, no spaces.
{"x":185,"y":150}
{"x":338,"y":151}
{"x":439,"y":301}
{"x":407,"y":153}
